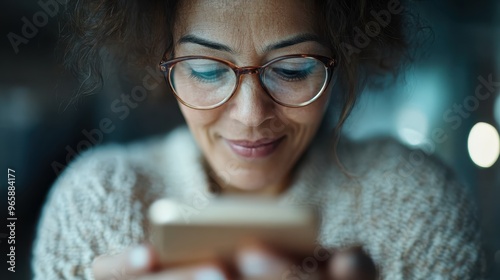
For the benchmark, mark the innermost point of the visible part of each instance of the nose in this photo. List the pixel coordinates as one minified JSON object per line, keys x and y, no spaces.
{"x":250,"y":104}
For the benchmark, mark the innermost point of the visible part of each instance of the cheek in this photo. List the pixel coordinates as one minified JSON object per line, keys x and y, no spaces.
{"x":310,"y":115}
{"x":307,"y":116}
{"x":200,"y":122}
{"x":199,"y":118}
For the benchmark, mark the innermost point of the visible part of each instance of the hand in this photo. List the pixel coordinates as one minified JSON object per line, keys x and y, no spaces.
{"x":261,"y":262}
{"x":351,"y":264}
{"x":254,"y":261}
{"x":141,"y":263}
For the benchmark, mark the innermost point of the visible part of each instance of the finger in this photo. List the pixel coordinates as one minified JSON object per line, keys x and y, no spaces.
{"x":257,"y":261}
{"x":127,"y":265}
{"x":351,"y":263}
{"x":199,"y":272}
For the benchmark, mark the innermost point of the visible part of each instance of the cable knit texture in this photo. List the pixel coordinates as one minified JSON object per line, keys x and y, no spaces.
{"x":404,"y":208}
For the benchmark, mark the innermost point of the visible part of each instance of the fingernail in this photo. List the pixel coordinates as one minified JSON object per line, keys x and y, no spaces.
{"x":254,"y":264}
{"x":209,"y":273}
{"x":139,"y":257}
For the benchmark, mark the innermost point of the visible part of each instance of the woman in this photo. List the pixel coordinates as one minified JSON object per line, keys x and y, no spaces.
{"x":260,"y":131}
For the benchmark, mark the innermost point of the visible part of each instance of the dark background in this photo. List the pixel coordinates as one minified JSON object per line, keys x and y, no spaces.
{"x":39,"y":133}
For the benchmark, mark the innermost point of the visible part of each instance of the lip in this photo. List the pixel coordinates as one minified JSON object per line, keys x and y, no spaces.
{"x":254,"y":149}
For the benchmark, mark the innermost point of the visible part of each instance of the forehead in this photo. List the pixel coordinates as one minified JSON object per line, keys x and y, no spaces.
{"x":237,"y":22}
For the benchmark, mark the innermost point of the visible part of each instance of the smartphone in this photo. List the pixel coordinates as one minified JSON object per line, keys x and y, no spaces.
{"x":181,"y":235}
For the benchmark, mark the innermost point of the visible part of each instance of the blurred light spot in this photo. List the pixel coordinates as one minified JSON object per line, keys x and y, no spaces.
{"x":412,"y":126}
{"x":496,"y":109}
{"x":484,"y":144}
{"x":18,"y":107}
{"x":165,"y":211}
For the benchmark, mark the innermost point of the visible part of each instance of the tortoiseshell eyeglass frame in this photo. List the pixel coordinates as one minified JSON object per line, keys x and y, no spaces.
{"x":166,"y":67}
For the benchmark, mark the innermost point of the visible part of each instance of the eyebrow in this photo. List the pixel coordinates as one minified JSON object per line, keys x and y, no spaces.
{"x":301,"y":38}
{"x":204,"y":42}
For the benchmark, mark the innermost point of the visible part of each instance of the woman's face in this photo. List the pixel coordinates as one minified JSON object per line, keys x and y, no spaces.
{"x":250,"y":33}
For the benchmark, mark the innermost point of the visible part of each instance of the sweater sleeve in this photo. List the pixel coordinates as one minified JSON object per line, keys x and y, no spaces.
{"x":95,"y":207}
{"x":428,"y":220}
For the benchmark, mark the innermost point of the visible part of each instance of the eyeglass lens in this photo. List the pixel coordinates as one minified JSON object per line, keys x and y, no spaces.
{"x":203,"y":82}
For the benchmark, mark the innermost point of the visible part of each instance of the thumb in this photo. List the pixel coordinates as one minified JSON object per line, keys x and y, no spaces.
{"x":261,"y":262}
{"x":133,"y":262}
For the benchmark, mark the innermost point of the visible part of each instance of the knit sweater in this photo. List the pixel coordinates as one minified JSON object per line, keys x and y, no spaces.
{"x":405,"y":208}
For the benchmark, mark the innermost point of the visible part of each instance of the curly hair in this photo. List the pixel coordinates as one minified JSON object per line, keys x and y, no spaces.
{"x":370,"y":38}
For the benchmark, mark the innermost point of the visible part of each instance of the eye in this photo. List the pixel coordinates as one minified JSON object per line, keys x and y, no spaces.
{"x":293,"y":71}
{"x":208,"y":76}
{"x":292,"y":75}
{"x":208,"y":72}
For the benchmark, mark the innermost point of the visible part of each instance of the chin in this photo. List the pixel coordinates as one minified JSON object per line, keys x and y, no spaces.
{"x":253,"y":181}
{"x":246,"y":185}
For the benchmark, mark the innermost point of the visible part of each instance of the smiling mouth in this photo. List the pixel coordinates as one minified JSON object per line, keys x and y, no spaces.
{"x":254,"y":149}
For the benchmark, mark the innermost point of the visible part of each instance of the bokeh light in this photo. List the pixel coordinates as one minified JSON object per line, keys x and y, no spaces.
{"x":412,"y":126}
{"x":484,"y":144}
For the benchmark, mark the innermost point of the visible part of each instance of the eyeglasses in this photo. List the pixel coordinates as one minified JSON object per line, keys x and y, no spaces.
{"x":203,"y":82}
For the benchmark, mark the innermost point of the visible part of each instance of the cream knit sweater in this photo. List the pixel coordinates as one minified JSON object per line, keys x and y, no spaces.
{"x":404,"y":208}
